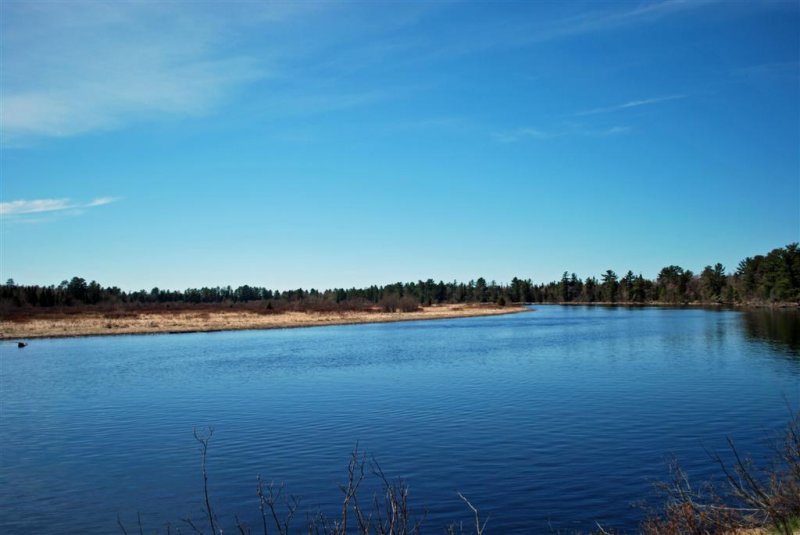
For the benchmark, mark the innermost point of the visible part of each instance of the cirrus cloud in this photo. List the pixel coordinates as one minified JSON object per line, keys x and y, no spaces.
{"x":25,"y":207}
{"x":78,"y":67}
{"x":630,"y":104}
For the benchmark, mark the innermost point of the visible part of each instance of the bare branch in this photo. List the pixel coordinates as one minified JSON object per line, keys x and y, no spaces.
{"x":478,"y":527}
{"x":204,"y":440}
{"x":121,"y":526}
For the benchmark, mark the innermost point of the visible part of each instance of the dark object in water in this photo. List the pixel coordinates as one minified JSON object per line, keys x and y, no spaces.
{"x":21,"y":344}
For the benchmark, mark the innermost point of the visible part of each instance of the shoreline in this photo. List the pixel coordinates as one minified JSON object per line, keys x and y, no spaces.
{"x":694,"y":304}
{"x":184,"y":322}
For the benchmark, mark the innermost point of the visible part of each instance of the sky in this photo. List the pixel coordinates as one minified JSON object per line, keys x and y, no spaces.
{"x":339,"y":144}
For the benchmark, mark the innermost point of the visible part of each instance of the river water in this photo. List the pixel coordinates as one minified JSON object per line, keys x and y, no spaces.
{"x":552,"y":419}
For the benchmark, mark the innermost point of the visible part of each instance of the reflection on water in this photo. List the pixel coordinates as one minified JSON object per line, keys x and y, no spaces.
{"x":780,"y":327}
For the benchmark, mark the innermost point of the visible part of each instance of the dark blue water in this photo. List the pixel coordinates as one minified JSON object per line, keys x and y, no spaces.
{"x":548,"y":420}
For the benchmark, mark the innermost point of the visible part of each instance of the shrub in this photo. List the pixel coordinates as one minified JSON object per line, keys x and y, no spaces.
{"x":750,"y":497}
{"x":408,"y":304}
{"x":389,"y":303}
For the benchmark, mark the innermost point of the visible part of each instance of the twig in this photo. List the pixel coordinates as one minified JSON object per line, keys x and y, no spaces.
{"x":203,"y":440}
{"x":189,"y":521}
{"x":478,"y":528}
{"x":121,"y":527}
{"x":262,"y":502}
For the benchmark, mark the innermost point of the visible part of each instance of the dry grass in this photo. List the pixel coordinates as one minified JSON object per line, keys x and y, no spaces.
{"x":751,"y":500}
{"x":91,"y":323}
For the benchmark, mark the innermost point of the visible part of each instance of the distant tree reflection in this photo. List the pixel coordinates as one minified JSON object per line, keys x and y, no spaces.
{"x":780,"y":327}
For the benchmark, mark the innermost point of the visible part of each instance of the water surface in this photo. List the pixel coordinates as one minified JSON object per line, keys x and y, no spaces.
{"x":552,"y":419}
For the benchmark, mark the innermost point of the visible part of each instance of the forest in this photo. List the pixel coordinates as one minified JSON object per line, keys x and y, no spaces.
{"x":762,"y":279}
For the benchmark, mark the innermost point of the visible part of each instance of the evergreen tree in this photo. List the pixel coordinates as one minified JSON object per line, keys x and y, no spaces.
{"x":610,"y":286}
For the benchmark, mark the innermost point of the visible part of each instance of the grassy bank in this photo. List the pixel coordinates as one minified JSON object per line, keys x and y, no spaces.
{"x":41,"y":323}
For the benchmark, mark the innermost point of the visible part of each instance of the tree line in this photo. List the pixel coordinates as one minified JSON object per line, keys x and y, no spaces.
{"x":770,"y":278}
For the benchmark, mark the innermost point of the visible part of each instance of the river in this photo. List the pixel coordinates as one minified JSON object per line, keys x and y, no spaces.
{"x":552,"y":419}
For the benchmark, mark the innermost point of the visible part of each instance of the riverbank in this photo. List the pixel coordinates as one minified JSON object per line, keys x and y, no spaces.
{"x":93,"y":323}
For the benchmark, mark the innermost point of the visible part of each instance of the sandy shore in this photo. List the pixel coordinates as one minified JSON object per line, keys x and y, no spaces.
{"x":93,"y":324}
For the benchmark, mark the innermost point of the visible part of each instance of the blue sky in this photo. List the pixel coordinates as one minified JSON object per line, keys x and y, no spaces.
{"x":322,"y":144}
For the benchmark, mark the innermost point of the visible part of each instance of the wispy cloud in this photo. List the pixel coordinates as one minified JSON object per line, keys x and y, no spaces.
{"x":609,"y":20}
{"x":77,"y":67}
{"x":86,"y":66}
{"x":573,"y":130}
{"x":24,"y":207}
{"x":101,"y":201}
{"x":630,"y":104}
{"x":71,"y":68}
{"x":503,"y":34}
{"x":33,"y":206}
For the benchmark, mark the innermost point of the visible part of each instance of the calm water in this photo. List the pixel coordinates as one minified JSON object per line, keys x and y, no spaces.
{"x":552,"y":419}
